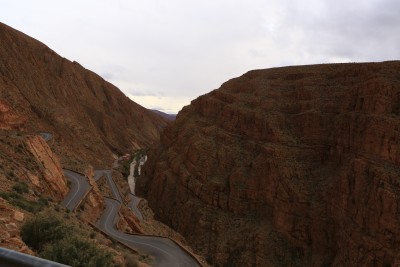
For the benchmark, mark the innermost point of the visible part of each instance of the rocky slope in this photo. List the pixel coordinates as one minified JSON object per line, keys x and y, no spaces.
{"x":86,"y":122}
{"x":43,"y":92}
{"x":294,"y":166}
{"x":11,"y":219}
{"x":30,"y":179}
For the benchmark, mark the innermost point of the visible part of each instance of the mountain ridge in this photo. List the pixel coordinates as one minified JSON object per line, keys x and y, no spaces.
{"x":51,"y":94}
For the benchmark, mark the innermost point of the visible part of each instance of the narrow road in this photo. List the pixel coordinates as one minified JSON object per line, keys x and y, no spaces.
{"x":165,"y":252}
{"x":79,"y":187}
{"x":46,"y":136}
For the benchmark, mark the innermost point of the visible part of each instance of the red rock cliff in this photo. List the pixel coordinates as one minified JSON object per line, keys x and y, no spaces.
{"x":295,"y":166}
{"x":89,"y":117}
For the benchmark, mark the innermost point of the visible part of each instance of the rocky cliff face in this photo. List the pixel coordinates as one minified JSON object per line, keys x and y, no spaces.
{"x":28,"y":166}
{"x":11,"y":219}
{"x":54,"y":182}
{"x":30,"y":179}
{"x":89,"y":117}
{"x":295,"y":166}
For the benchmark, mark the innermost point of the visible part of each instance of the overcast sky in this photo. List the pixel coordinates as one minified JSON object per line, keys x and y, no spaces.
{"x":163,"y":54}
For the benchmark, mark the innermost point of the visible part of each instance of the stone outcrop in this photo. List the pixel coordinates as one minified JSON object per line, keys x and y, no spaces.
{"x":54,"y":182}
{"x":294,"y":166}
{"x":93,"y":205}
{"x":10,"y":220}
{"x":128,"y":222}
{"x":9,"y":119}
{"x":90,"y":119}
{"x":29,"y":167}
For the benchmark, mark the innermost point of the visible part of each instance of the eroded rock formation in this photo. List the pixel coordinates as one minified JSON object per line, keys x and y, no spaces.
{"x":90,"y":118}
{"x":10,"y":221}
{"x":8,"y":118}
{"x":53,"y":182}
{"x":294,"y":166}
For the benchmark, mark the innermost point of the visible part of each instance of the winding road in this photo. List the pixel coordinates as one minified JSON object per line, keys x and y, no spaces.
{"x":164,"y":251}
{"x":47,"y":136}
{"x":79,"y":187}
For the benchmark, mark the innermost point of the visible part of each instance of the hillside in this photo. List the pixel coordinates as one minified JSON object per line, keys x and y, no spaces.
{"x":56,"y":115}
{"x":294,"y":166}
{"x":90,"y":118}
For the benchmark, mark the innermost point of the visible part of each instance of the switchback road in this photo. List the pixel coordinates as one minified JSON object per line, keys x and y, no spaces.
{"x":46,"y":136}
{"x":165,"y":252}
{"x":79,"y":187}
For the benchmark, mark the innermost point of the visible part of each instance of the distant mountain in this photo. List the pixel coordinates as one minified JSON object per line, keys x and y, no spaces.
{"x":89,"y":118}
{"x":167,"y":116}
{"x":294,"y":166}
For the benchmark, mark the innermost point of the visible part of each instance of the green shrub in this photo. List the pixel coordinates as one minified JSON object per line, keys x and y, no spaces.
{"x":27,"y":205}
{"x":43,"y":201}
{"x":54,"y":240}
{"x":21,"y":187}
{"x":77,"y":252}
{"x":18,"y":200}
{"x":130,"y":260}
{"x":42,"y":229}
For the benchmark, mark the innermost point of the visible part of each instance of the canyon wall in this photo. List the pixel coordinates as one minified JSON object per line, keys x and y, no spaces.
{"x":90,"y":119}
{"x":294,"y":166}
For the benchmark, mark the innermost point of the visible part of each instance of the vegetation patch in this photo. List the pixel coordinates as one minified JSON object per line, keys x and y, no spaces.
{"x":53,"y":239}
{"x":17,"y":200}
{"x":21,"y":187}
{"x":125,"y":168}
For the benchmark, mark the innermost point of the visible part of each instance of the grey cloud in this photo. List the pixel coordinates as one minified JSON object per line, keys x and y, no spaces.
{"x":333,"y":31}
{"x":187,"y":48}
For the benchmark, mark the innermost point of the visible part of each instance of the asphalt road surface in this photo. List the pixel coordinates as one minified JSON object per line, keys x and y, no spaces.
{"x":165,"y":252}
{"x":79,"y":187}
{"x":46,"y":136}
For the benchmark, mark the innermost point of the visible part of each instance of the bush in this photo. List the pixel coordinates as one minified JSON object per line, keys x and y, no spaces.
{"x":17,"y":200}
{"x":43,"y":201}
{"x":54,"y":240}
{"x":21,"y":187}
{"x":11,"y":174}
{"x":77,"y":252}
{"x":27,"y":205}
{"x":42,"y":229}
{"x":130,"y":260}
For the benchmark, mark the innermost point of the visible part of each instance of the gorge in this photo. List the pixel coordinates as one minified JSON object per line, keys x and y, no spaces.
{"x":293,"y":166}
